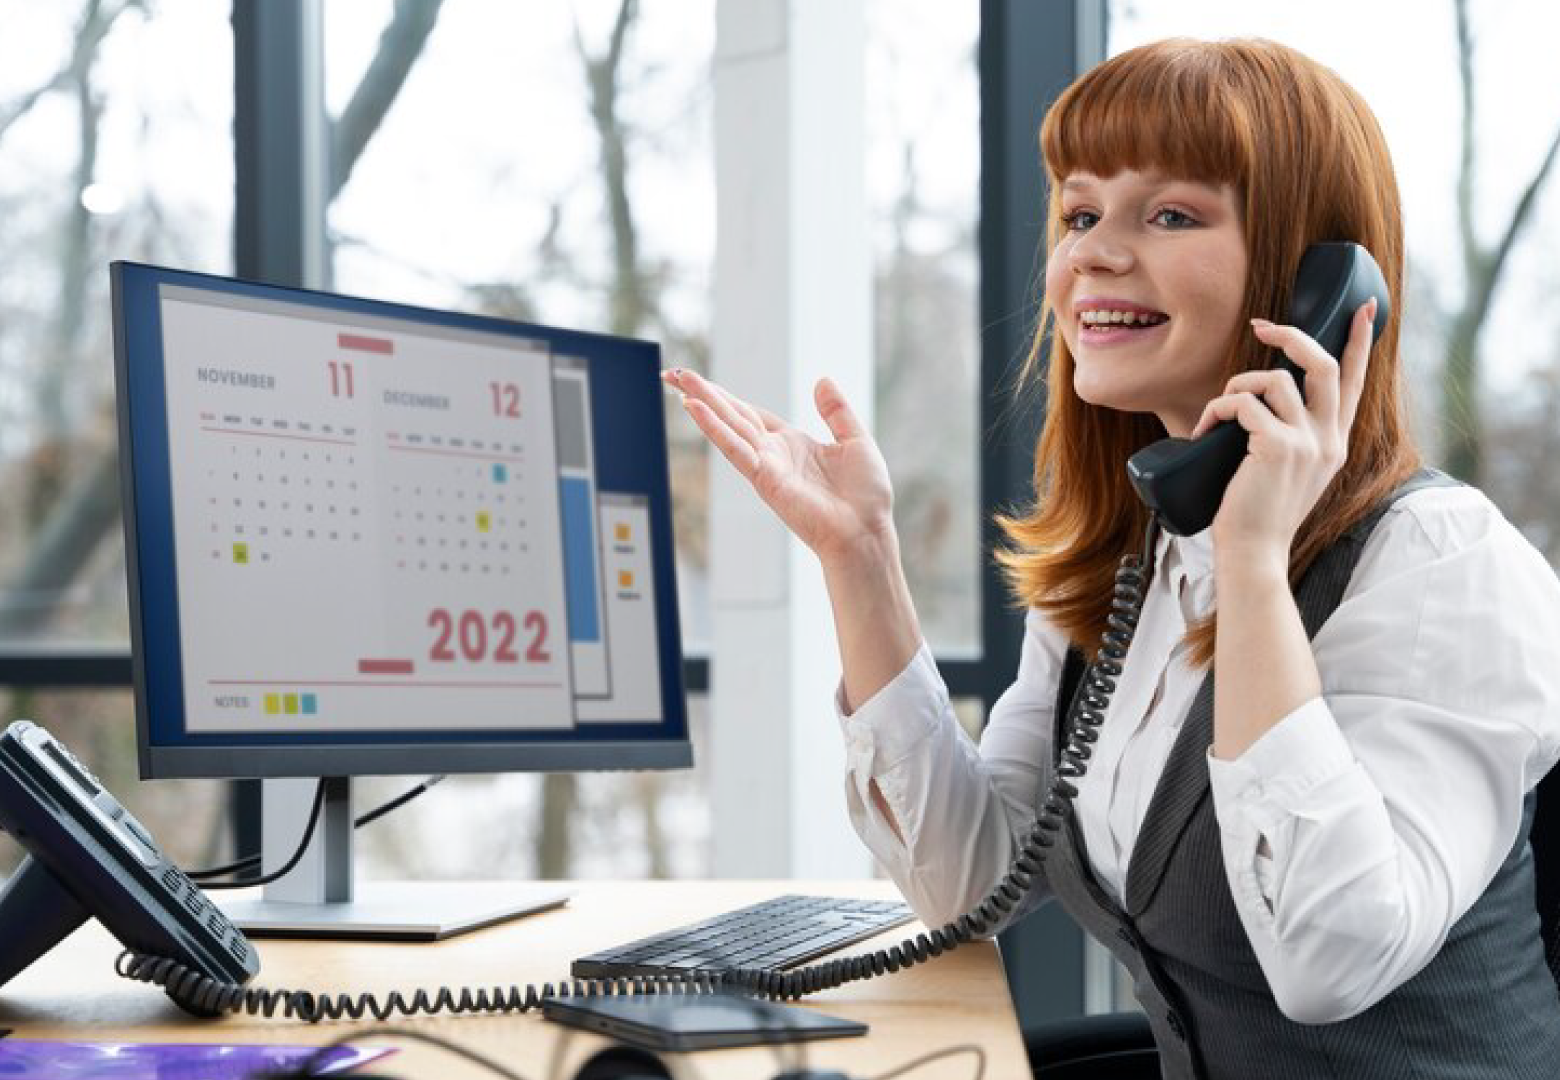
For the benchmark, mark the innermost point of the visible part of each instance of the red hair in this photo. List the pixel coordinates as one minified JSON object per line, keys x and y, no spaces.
{"x":1308,"y":163}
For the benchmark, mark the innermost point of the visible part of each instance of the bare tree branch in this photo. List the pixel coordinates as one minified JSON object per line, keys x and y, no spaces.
{"x":90,"y":31}
{"x":631,"y":303}
{"x":1519,"y":218}
{"x":1465,"y":161}
{"x":1461,"y":417}
{"x":400,"y":45}
{"x":23,"y":105}
{"x":625,"y":16}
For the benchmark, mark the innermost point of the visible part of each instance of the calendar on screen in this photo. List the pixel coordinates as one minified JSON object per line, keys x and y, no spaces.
{"x":386,"y":525}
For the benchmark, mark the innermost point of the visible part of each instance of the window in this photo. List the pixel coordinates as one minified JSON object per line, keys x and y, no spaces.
{"x":114,"y":144}
{"x":923,"y":167}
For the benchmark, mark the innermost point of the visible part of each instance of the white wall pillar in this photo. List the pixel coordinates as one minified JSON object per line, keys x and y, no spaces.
{"x":793,"y":299}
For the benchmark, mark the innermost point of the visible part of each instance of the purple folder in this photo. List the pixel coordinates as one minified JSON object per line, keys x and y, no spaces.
{"x":33,"y":1059}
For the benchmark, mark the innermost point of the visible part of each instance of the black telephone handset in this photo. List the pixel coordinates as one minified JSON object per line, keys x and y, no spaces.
{"x":1181,"y":480}
{"x":87,"y":856}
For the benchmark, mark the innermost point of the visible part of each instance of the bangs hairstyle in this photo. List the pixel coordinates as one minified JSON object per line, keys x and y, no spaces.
{"x":1308,"y":163}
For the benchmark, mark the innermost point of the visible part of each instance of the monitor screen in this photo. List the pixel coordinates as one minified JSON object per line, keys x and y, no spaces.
{"x":365,"y":537}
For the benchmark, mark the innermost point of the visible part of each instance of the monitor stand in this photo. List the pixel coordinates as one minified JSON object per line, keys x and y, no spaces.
{"x":318,"y":898}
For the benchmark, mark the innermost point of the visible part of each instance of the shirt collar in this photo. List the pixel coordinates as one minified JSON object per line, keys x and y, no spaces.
{"x":1193,"y":554}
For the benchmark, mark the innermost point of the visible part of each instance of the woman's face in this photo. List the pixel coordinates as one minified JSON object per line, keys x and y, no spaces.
{"x":1148,"y":283}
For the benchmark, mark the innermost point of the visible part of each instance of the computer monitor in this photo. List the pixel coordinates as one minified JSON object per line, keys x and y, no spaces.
{"x":371,"y":538}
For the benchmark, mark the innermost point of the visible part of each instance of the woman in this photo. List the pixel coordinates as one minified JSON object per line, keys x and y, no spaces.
{"x":1326,"y":873}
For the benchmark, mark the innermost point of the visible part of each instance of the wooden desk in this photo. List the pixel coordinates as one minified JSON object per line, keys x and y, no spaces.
{"x":72,"y":993}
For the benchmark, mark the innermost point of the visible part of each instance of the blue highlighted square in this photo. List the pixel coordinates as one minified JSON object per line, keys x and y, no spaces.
{"x":500,"y":473}
{"x":310,"y":704}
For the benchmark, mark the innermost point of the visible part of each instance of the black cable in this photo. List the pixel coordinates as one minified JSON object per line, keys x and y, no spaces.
{"x":266,"y":879}
{"x":250,"y":862}
{"x":1085,"y":715}
{"x":204,"y":995}
{"x":396,"y":803}
{"x":938,"y":1055}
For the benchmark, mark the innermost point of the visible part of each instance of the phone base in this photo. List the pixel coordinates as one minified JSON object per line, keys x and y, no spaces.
{"x":396,"y":910}
{"x":36,"y":914}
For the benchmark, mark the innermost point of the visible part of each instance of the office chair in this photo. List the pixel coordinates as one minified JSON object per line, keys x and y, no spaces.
{"x":1120,"y":1046}
{"x":1108,"y":1046}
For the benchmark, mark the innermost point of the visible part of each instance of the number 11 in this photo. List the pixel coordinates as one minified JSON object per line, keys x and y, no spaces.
{"x":340,"y":379}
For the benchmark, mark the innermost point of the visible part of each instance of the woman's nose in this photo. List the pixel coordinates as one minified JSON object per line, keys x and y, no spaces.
{"x":1101,"y":250}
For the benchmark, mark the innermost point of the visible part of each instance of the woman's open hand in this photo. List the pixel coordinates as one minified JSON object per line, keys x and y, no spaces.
{"x":835,"y":496}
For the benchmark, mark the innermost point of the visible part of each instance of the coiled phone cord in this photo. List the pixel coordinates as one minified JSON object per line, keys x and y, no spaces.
{"x":1086,"y":714}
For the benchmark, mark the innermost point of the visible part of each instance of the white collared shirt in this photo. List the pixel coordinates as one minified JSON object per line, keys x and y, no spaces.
{"x":1355,"y":832}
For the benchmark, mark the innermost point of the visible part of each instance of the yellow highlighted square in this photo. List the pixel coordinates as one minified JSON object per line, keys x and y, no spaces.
{"x":240,"y":553}
{"x":484,"y":521}
{"x":625,"y":579}
{"x":621,"y":532}
{"x":290,"y":704}
{"x":273,"y":704}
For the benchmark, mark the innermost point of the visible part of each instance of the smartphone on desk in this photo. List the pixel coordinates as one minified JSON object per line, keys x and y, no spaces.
{"x":696,"y":1022}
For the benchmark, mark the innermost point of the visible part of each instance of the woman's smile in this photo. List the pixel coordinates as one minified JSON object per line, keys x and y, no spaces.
{"x":1118,"y":322}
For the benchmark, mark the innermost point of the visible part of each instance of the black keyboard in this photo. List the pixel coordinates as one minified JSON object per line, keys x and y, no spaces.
{"x":777,"y":933}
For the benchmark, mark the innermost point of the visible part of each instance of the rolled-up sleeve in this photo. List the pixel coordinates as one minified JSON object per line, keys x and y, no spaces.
{"x":961,"y":809}
{"x":1362,"y":826}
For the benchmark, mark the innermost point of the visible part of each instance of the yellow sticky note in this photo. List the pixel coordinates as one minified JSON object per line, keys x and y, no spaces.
{"x":273,"y":704}
{"x":240,"y":553}
{"x":625,"y":579}
{"x":290,"y":704}
{"x":484,"y":521}
{"x":621,"y":532}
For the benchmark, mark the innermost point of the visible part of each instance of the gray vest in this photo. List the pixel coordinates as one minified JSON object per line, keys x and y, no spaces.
{"x":1485,"y":1007}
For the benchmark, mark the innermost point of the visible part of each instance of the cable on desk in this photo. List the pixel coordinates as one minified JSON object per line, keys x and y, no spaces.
{"x":201,"y":992}
{"x":938,"y":1055}
{"x":305,"y":1070}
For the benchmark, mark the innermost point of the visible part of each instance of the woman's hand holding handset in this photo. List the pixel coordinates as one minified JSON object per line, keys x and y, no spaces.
{"x":837,"y":499}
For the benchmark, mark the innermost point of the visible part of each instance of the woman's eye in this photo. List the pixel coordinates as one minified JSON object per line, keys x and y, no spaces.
{"x":1078,"y":220}
{"x":1174,"y":219}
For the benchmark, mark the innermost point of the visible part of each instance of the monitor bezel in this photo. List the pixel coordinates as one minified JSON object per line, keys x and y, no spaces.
{"x":237,"y":759}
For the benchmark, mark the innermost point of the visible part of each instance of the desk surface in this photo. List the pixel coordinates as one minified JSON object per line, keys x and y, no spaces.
{"x":958,"y":998}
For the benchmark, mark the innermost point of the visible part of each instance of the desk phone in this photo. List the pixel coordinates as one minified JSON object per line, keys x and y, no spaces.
{"x":88,"y":857}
